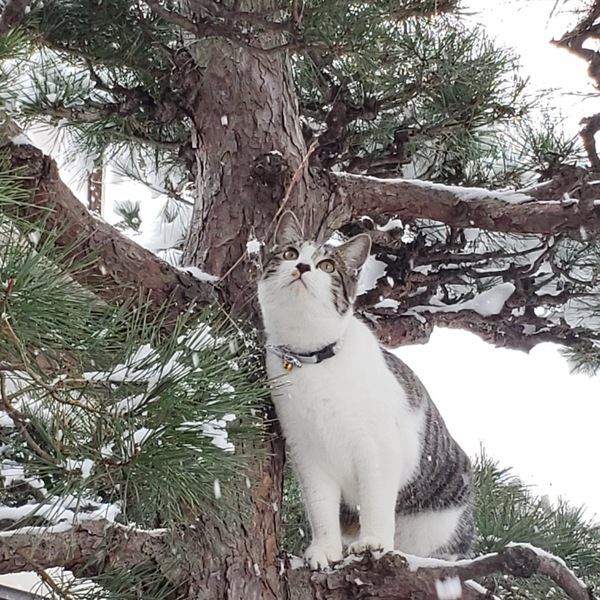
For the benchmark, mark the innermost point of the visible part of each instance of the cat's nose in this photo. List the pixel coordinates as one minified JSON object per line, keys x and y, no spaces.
{"x":302,"y":268}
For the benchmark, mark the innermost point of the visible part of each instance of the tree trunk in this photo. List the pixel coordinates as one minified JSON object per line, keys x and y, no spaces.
{"x":248,"y":147}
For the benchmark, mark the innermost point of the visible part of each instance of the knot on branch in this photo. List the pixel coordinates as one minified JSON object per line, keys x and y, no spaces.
{"x":270,"y":168}
{"x":519,"y":561}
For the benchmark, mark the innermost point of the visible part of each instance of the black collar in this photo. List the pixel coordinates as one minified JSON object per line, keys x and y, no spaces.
{"x":293,"y":359}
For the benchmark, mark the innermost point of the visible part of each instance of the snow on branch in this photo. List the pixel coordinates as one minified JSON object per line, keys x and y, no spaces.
{"x":396,"y":576}
{"x":466,"y":207}
{"x":117,"y":268}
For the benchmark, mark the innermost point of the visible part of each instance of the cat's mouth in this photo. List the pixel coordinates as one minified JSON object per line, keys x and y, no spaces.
{"x":299,"y":280}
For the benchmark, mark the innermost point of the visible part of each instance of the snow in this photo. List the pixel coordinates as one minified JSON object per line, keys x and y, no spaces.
{"x":465,"y":194}
{"x":141,"y":435}
{"x":127,"y":405}
{"x":296,"y":562}
{"x":11,"y":472}
{"x":487,"y":303}
{"x":216,"y":430}
{"x":479,"y":588}
{"x":253,"y":246}
{"x":449,"y":588}
{"x":60,"y":512}
{"x":21,"y":140}
{"x":391,"y":225}
{"x":387,"y":303}
{"x":86,"y":466}
{"x":539,"y":551}
{"x":372,"y":271}
{"x":217,"y":489}
{"x":200,"y":274}
{"x":34,"y":237}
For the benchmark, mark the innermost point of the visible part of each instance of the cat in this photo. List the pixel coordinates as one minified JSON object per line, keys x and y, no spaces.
{"x":376,"y":465}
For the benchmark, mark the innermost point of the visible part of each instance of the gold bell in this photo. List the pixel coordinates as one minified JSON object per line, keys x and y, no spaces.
{"x":287,"y":365}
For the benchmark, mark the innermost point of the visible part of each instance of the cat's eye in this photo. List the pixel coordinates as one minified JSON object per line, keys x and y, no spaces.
{"x":327,"y":265}
{"x":290,"y":254}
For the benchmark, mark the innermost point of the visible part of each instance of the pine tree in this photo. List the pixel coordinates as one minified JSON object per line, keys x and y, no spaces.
{"x":135,"y":417}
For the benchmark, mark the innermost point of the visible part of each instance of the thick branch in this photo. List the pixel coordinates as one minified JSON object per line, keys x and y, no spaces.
{"x":465,"y":207}
{"x":87,"y":549}
{"x":394,"y":577}
{"x":116,"y":268}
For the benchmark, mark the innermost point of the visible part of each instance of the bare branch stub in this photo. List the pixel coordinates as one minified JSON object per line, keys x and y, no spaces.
{"x":574,"y":41}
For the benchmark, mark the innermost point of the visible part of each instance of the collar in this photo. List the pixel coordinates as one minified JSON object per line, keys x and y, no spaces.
{"x":291,"y":359}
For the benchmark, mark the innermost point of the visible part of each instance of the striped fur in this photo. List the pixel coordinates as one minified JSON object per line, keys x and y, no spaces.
{"x":444,"y":477}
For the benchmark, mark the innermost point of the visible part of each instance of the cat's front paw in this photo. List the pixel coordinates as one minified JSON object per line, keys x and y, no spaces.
{"x":368,"y":543}
{"x":321,"y":556}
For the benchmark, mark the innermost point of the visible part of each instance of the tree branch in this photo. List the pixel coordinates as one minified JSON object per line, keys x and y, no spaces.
{"x":394,"y":576}
{"x":88,"y":548}
{"x":573,"y":41}
{"x":122,"y":271}
{"x":466,"y":207}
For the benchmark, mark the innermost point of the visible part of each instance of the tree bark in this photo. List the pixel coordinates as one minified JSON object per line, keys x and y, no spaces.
{"x":12,"y":14}
{"x":95,"y":188}
{"x":249,"y":146}
{"x":93,"y":546}
{"x":393,"y":577}
{"x":87,"y":549}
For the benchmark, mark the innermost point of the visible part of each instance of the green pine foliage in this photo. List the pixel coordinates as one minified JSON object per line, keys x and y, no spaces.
{"x":106,"y":413}
{"x":417,"y":84}
{"x":507,"y":511}
{"x":129,"y":211}
{"x":445,"y":85}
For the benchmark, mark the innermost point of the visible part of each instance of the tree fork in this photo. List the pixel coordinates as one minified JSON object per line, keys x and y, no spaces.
{"x":117,"y":269}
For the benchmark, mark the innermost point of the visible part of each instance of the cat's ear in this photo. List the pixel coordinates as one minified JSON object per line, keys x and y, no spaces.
{"x":355,"y":251}
{"x":288,"y":230}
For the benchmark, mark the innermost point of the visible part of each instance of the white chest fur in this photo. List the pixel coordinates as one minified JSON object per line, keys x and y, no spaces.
{"x":348,"y":415}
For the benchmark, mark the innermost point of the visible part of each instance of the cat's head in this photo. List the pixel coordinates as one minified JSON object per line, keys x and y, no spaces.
{"x":307,"y":289}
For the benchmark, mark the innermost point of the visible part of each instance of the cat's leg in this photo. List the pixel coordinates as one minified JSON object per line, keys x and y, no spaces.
{"x":322,"y":499}
{"x":377,"y":498}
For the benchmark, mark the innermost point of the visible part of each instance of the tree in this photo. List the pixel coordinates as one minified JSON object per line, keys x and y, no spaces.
{"x":264,"y":105}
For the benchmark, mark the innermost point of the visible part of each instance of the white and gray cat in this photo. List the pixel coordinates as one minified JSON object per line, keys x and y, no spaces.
{"x":376,"y":464}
